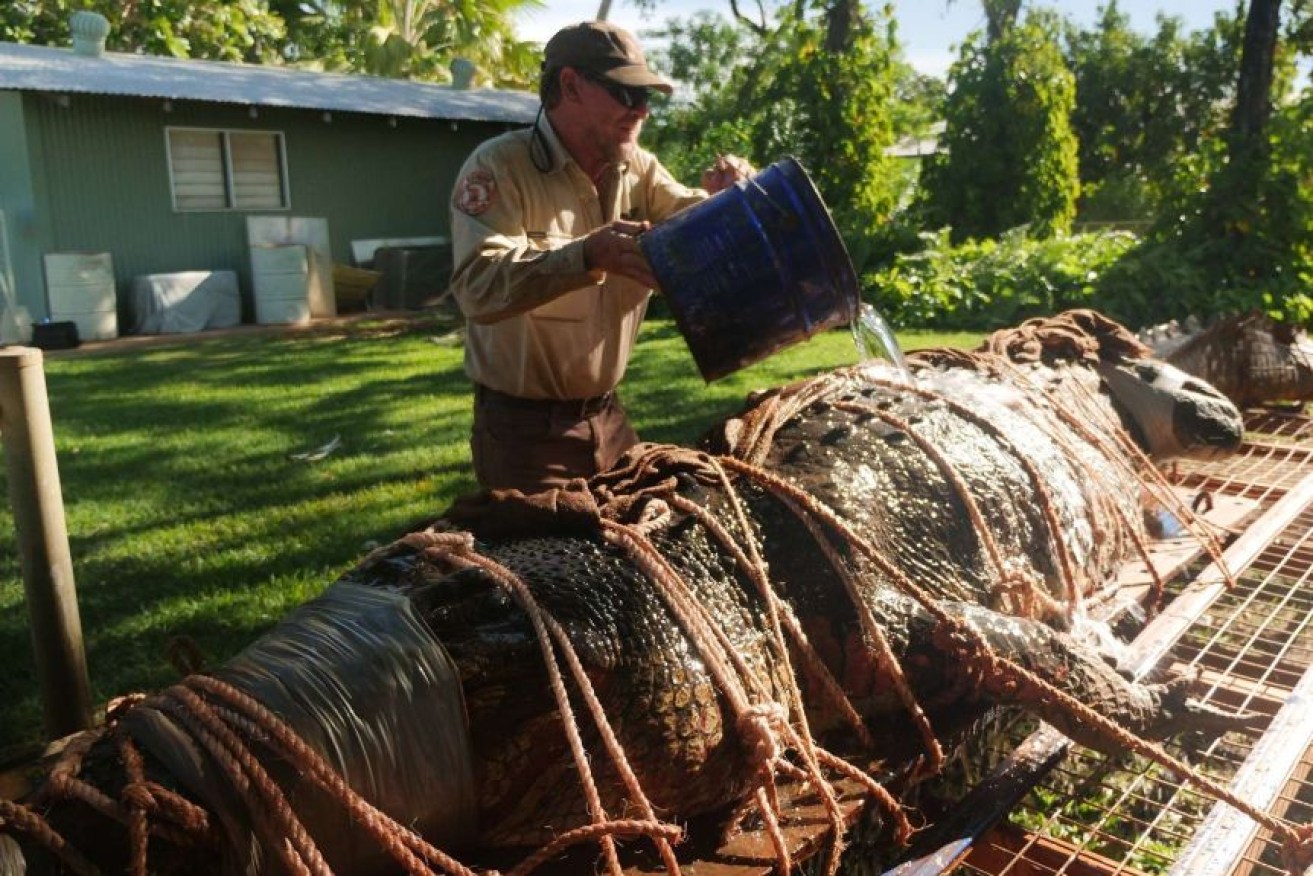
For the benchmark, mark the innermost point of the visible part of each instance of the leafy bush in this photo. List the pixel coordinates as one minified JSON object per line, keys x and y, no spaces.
{"x":985,"y":284}
{"x":1008,"y":155}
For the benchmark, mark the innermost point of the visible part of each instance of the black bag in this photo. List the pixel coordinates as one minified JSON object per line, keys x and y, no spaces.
{"x":55,"y":335}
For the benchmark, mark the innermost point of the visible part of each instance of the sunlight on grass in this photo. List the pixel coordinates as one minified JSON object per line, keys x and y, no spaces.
{"x":187,"y":515}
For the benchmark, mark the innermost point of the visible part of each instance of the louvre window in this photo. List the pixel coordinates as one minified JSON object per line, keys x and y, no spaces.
{"x":226,"y":170}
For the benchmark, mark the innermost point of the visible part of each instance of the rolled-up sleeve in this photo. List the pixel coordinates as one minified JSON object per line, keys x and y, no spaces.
{"x":667,"y":195}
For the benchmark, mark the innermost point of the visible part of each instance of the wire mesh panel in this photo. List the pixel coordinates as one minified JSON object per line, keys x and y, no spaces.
{"x":1251,"y":648}
{"x":1277,"y":453}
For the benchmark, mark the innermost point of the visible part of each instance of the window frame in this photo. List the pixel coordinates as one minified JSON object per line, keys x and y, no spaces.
{"x":228,"y":170}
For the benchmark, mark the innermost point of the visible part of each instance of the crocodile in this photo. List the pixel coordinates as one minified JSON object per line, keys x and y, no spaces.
{"x":839,"y":580}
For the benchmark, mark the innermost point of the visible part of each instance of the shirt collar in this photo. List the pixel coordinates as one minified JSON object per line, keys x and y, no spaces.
{"x":557,"y":155}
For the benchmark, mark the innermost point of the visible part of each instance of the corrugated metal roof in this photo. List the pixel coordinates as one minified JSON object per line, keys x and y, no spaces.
{"x":43,"y":68}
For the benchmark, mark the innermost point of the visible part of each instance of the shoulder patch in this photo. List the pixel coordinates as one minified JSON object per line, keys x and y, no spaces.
{"x":476,"y":192}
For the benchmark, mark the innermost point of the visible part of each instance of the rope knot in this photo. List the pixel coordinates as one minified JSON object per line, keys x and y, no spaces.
{"x":138,"y":795}
{"x":1297,"y":848}
{"x":120,"y":706}
{"x":1018,"y":590}
{"x":760,"y":727}
{"x":441,"y":542}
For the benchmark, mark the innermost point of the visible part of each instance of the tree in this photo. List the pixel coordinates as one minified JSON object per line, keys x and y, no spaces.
{"x":225,"y":30}
{"x":419,"y":39}
{"x":1244,"y":241}
{"x":1144,"y":107}
{"x":1258,"y":212}
{"x":1010,"y":155}
{"x":402,"y":38}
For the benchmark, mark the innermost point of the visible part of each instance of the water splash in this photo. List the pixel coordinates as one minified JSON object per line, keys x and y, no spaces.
{"x":874,"y":339}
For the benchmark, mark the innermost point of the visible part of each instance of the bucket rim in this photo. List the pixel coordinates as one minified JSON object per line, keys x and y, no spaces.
{"x":843,"y":274}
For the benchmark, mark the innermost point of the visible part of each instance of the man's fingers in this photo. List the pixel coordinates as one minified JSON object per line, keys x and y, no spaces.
{"x":626,"y":226}
{"x":725,"y":171}
{"x":615,"y":249}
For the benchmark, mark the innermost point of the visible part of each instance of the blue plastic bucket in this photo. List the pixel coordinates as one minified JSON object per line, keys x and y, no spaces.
{"x":753,"y":269}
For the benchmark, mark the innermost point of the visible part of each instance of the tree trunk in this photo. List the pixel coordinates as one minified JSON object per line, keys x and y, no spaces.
{"x":842,"y":19}
{"x":1254,"y":90}
{"x":1001,"y":17}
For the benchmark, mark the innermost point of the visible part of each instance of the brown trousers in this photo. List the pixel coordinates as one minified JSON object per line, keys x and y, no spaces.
{"x":533,"y":445}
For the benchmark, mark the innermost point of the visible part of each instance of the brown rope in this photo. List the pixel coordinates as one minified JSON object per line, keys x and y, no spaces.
{"x":1131,"y":455}
{"x":812,"y":662}
{"x":272,"y":816}
{"x":400,"y":842}
{"x":458,"y":549}
{"x":691,"y":615}
{"x":964,"y":495}
{"x":881,"y":650}
{"x":1007,"y":676}
{"x":628,"y":507}
{"x":23,"y":819}
{"x":702,"y":629}
{"x":657,"y":831}
{"x":1047,"y":504}
{"x":1128,"y":456}
{"x":136,"y":799}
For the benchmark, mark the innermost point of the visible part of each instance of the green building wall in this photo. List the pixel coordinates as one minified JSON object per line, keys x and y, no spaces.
{"x":90,"y":173}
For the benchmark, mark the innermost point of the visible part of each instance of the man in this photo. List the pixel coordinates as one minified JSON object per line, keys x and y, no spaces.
{"x":548,"y":270}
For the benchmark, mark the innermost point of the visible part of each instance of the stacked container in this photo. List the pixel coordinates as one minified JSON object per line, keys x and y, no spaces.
{"x":80,"y":289}
{"x":281,"y":277}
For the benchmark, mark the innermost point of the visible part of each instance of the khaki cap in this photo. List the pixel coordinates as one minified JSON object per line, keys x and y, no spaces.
{"x":604,"y":50}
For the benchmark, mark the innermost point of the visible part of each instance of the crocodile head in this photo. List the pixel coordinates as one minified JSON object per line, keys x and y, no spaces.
{"x":1170,"y":412}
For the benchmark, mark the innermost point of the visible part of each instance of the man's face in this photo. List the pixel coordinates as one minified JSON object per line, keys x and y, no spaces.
{"x":613,"y":116}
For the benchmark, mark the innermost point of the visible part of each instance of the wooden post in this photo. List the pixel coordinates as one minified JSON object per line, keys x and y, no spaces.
{"x":38,"y":506}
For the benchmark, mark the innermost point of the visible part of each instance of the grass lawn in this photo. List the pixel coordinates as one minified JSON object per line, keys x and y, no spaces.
{"x":187,"y":515}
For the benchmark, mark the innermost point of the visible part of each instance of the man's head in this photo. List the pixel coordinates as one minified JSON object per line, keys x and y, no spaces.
{"x":595,"y":86}
{"x":606,"y":54}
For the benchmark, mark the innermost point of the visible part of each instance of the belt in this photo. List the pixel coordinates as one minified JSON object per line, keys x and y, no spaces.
{"x":569,"y":407}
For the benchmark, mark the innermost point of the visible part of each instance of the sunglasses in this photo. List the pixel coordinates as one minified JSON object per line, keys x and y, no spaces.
{"x":628,"y":96}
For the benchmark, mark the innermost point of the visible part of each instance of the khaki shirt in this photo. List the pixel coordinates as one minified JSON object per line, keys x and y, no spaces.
{"x":540,"y":325}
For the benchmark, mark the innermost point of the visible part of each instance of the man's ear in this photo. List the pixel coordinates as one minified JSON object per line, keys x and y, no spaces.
{"x":570,"y":83}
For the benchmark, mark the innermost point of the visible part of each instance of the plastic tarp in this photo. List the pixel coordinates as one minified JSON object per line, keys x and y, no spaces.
{"x":188,"y":301}
{"x":361,"y":679}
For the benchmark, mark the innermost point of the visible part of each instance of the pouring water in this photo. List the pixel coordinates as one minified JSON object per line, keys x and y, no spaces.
{"x":874,"y":339}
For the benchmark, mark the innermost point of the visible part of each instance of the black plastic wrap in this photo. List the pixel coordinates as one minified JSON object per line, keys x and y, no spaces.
{"x":358,"y":675}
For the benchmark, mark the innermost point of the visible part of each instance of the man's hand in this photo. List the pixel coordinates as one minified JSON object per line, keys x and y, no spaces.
{"x":727,"y":170}
{"x":614,"y":249}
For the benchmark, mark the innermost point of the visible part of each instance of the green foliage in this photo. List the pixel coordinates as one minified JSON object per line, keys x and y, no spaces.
{"x":702,"y":54}
{"x":1236,"y":229}
{"x":1143,"y":106}
{"x":416,"y":39}
{"x":232,"y":30}
{"x":1010,"y":156}
{"x":830,"y":109}
{"x":988,"y":283}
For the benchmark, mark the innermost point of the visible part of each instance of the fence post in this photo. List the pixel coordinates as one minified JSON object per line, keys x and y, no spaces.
{"x":47,"y":565}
